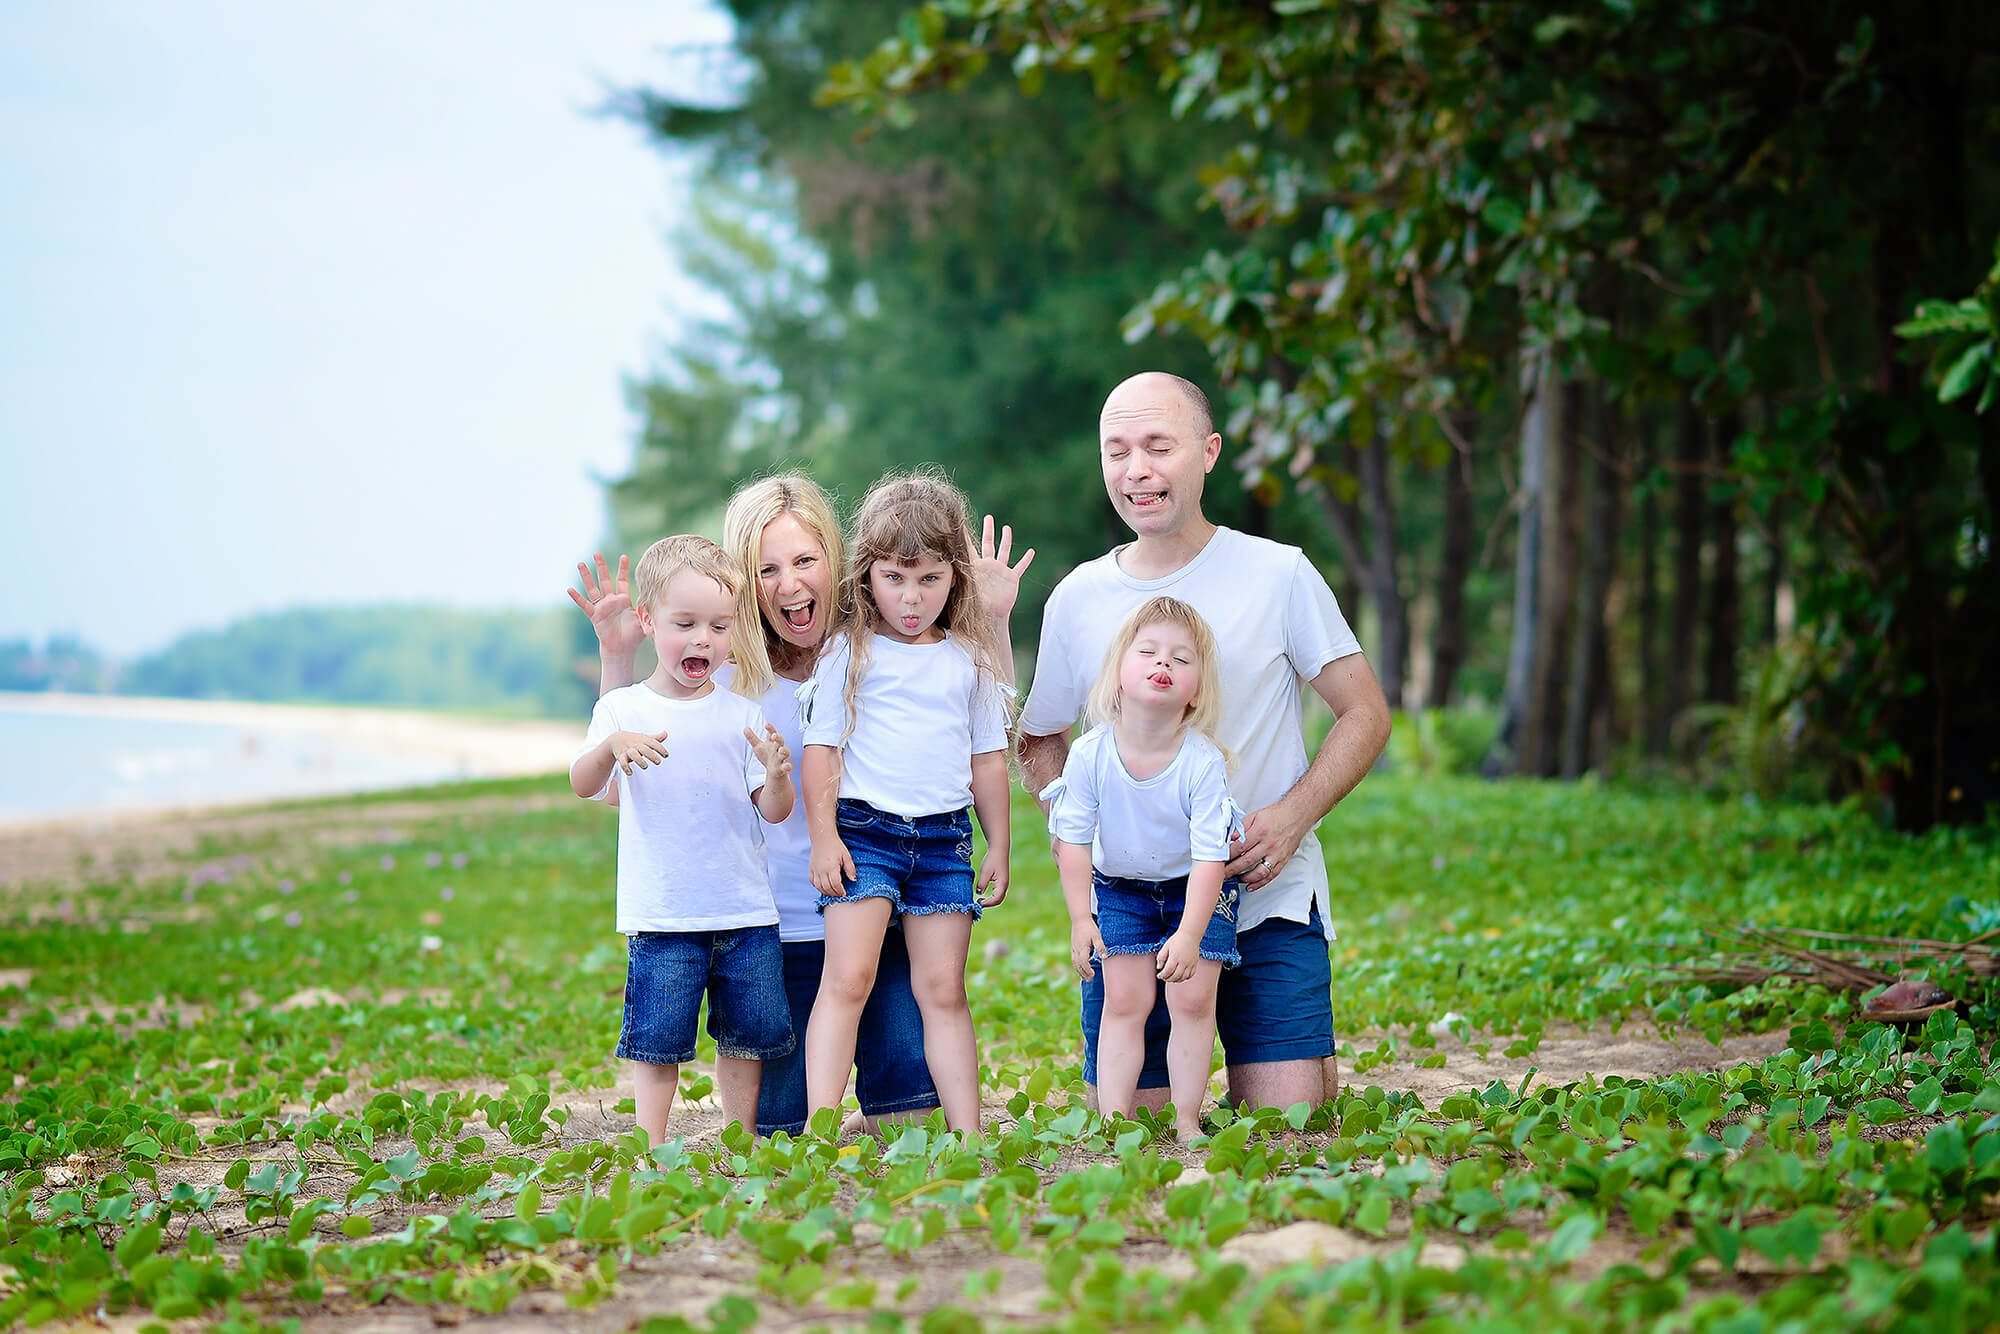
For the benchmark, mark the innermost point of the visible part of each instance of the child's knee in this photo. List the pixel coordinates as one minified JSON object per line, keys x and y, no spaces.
{"x":848,"y":986}
{"x":939,"y":992}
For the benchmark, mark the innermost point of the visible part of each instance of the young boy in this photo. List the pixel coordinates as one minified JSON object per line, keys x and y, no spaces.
{"x":690,"y":762}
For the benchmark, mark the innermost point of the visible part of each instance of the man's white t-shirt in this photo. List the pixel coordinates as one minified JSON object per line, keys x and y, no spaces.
{"x":924,"y":712}
{"x":690,"y":841}
{"x":1276,"y":624}
{"x":1153,"y":828}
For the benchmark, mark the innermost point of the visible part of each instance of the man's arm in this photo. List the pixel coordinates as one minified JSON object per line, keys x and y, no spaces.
{"x":1042,"y":760}
{"x":1356,"y":740}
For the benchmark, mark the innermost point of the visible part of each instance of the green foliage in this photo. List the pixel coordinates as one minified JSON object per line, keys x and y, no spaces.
{"x":515,"y":662}
{"x":186,"y":1140}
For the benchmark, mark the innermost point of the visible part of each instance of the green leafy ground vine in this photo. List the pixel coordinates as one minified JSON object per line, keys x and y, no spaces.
{"x":334,"y":1065}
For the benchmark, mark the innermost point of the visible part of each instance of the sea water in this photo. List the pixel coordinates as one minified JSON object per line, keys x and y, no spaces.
{"x":54,"y":763}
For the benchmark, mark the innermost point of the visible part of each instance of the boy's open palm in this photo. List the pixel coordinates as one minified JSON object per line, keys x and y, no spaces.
{"x":1179,"y":958}
{"x":771,"y":751}
{"x":831,"y":868}
{"x":637,"y":748}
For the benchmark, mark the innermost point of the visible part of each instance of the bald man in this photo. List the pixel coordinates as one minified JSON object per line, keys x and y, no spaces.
{"x":1277,"y":625}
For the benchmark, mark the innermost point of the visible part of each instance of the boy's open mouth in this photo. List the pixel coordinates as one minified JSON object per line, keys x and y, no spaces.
{"x":694,"y":668}
{"x":799,"y":616}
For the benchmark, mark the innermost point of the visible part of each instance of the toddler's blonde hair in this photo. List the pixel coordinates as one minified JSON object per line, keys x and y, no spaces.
{"x":1204,"y":711}
{"x":751,"y":510}
{"x":690,"y":553}
{"x":907,"y":517}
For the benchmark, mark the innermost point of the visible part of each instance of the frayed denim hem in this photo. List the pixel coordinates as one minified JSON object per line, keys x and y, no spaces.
{"x":758,"y":1053}
{"x":925,"y":910}
{"x":623,"y":1053}
{"x":1230,"y":959}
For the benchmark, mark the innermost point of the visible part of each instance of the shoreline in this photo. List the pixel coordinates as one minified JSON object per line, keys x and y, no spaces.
{"x":453,"y":747}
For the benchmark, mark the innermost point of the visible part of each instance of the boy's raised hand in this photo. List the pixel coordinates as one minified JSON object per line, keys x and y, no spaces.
{"x":1085,"y":946}
{"x":608,"y":604}
{"x":640,"y":748}
{"x":771,"y":751}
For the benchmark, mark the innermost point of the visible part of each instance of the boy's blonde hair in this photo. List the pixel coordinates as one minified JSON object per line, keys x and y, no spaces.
{"x":907,"y":517}
{"x":690,"y":553}
{"x":1204,"y":711}
{"x":751,"y":510}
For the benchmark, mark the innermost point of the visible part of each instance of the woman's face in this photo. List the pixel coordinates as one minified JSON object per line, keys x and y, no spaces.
{"x":794,"y":582}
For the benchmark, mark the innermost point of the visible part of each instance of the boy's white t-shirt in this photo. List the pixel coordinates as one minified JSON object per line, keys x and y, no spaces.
{"x":924,"y":712}
{"x":690,"y":841}
{"x":1153,"y":828}
{"x":1276,"y":624}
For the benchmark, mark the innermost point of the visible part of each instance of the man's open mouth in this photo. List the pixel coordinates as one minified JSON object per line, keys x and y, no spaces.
{"x":1145,"y":499}
{"x":799,"y":616}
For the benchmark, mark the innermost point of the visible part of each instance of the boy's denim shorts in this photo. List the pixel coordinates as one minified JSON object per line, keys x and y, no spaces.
{"x":1139,"y":916}
{"x":1277,"y":1005}
{"x":921,"y":866}
{"x":890,"y":1074}
{"x":742,"y":973}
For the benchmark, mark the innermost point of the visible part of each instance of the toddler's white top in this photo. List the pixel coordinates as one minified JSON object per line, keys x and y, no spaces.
{"x":923,"y":713}
{"x":690,"y":842}
{"x":1153,"y":828}
{"x":1275,"y":622}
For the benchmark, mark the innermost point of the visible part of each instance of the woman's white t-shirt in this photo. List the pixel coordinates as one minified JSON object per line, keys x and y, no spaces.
{"x":1152,"y":828}
{"x":923,"y":713}
{"x":690,"y":840}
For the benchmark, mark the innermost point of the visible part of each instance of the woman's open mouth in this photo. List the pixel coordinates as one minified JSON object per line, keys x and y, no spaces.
{"x":799,"y":616}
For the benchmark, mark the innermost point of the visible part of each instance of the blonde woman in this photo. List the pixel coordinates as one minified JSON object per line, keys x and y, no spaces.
{"x":1142,"y":819}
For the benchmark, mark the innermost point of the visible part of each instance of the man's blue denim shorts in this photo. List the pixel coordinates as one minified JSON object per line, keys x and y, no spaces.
{"x":741,"y":972}
{"x":1277,"y":1005}
{"x":921,"y":865}
{"x":1138,"y":916}
{"x":890,"y":1074}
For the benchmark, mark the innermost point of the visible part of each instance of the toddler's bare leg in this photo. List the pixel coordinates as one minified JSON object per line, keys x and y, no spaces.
{"x":737,"y":1079}
{"x":1121,"y":1033}
{"x":1191,"y":1046}
{"x":853,"y":948}
{"x":653,"y":1096}
{"x":938,"y":945}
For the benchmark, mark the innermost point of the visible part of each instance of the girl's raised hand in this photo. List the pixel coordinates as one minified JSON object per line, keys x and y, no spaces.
{"x":831,"y":868}
{"x":993,"y":877}
{"x":999,"y":582}
{"x":771,"y":751}
{"x":608,"y":604}
{"x":1085,"y":947}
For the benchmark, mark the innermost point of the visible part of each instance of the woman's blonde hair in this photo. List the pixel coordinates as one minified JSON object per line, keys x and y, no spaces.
{"x":910,"y":517}
{"x":688,"y":553}
{"x":751,"y":511}
{"x":1204,"y":711}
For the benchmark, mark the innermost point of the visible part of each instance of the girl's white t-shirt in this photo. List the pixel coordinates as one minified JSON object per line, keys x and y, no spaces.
{"x":690,"y":841}
{"x":1276,"y":625}
{"x":1152,"y":828}
{"x":923,"y":713}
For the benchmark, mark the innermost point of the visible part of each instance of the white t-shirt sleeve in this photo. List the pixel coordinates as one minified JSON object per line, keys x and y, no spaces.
{"x":989,"y":716}
{"x":1073,"y":797}
{"x":1055,"y":699}
{"x":823,"y":697}
{"x":1315,"y":631}
{"x":1211,"y":814}
{"x":602,"y":725}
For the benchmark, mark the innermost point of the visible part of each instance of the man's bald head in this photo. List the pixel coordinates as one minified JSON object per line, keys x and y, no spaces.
{"x":1201,"y":418}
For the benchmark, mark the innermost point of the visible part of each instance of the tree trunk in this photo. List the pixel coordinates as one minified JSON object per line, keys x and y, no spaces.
{"x":1391,"y":609}
{"x":1725,"y":594}
{"x":1774,"y":570}
{"x":1448,"y":646}
{"x":1652,"y":708}
{"x":1690,"y":509}
{"x":1590,"y":650}
{"x":1541,"y":747}
{"x":1538,"y":394}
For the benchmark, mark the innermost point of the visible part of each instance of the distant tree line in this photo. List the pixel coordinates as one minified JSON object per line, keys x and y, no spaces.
{"x":522,"y":663}
{"x":1578,"y":347}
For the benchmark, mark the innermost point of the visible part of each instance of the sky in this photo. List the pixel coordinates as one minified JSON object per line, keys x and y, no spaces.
{"x":326,"y":303}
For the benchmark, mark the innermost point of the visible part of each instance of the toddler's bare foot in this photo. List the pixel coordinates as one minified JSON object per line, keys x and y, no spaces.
{"x":855,"y":1124}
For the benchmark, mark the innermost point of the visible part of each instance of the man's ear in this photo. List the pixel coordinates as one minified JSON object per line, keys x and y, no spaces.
{"x":1211,"y":450}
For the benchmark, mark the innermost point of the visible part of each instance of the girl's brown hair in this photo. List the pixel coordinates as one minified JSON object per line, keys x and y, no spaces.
{"x":1204,"y":711}
{"x":910,"y":517}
